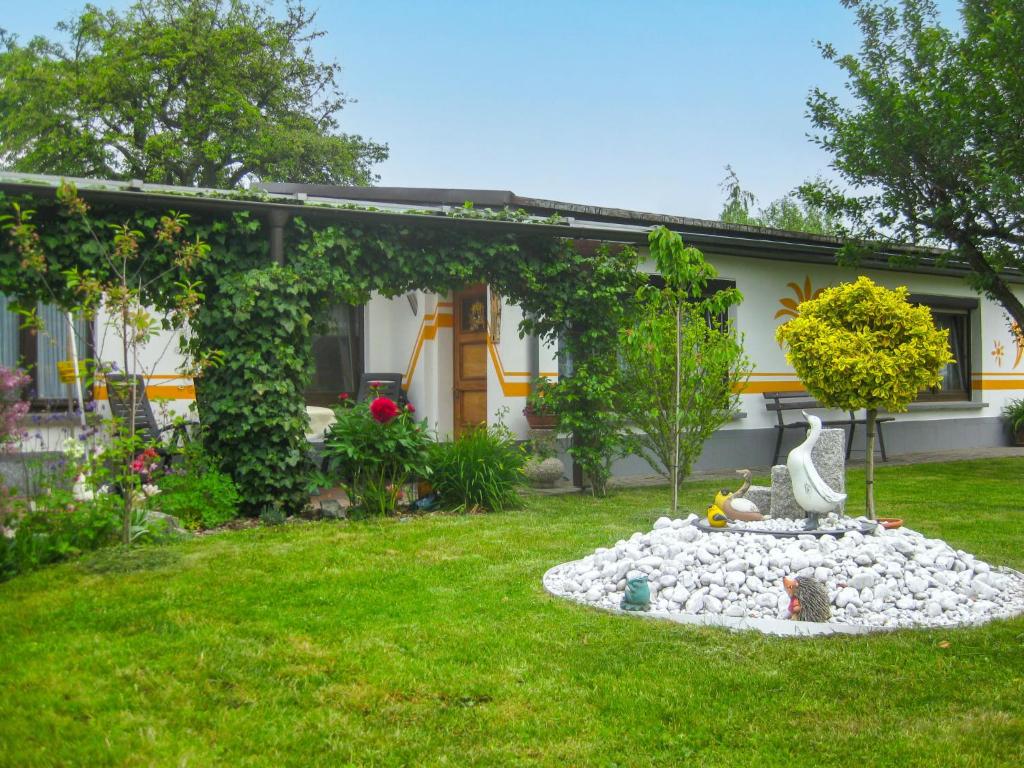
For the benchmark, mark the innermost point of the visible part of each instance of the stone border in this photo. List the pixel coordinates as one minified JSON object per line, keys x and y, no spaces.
{"x":774,"y":627}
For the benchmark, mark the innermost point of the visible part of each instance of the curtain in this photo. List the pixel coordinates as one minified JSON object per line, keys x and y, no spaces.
{"x":52,"y":346}
{"x":9,"y":324}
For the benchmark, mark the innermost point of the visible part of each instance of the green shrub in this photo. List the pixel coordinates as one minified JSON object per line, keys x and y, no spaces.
{"x":481,"y":469}
{"x":54,"y":528}
{"x":199,"y":500}
{"x":197,"y":493}
{"x":374,"y":449}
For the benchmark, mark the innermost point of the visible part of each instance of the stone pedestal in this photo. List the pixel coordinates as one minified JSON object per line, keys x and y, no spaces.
{"x":829,"y":457}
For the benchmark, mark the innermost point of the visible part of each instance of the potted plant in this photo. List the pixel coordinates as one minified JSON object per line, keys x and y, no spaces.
{"x":1014,"y":413}
{"x":538,"y":411}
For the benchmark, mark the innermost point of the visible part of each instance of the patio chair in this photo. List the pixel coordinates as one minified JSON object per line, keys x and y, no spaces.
{"x":387,"y":385}
{"x":119,"y":395}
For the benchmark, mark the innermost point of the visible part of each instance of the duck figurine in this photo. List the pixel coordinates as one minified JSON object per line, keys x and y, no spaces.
{"x":733,"y":505}
{"x":812,"y":494}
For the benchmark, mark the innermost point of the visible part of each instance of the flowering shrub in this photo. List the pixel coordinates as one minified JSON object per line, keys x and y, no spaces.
{"x":12,"y":407}
{"x":55,"y":527}
{"x":384,"y":409}
{"x":374,"y":449}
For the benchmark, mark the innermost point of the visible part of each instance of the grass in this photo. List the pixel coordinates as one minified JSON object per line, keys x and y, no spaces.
{"x":431,"y":642}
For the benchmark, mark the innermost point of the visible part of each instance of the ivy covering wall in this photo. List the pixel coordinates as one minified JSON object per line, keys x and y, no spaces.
{"x":261,"y":317}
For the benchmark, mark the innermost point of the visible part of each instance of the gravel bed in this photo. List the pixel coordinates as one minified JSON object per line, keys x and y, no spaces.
{"x":888,"y":579}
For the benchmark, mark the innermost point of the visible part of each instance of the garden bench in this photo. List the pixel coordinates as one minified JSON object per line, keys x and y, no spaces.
{"x":802,"y":401}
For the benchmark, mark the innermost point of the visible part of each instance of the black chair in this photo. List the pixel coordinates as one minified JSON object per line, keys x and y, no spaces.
{"x":386,"y":385}
{"x":119,"y":395}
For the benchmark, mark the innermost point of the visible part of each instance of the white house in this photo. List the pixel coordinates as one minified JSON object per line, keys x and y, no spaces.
{"x":461,"y":357}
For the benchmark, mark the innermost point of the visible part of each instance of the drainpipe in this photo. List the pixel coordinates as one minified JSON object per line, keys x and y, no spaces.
{"x":277,"y":219}
{"x":532,"y":354}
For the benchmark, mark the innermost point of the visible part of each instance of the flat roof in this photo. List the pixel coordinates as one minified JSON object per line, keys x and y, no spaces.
{"x":437,"y":207}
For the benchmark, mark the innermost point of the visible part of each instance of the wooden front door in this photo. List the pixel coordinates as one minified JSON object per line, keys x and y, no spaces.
{"x":470,"y":356}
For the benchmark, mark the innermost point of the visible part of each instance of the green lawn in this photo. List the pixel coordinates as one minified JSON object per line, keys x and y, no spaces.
{"x":431,"y":642}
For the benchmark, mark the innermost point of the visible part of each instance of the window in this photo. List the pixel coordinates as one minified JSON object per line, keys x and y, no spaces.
{"x":39,"y":352}
{"x":337,"y":356}
{"x":953,"y":314}
{"x":713,"y":287}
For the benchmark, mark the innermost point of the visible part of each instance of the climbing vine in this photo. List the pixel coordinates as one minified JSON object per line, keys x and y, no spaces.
{"x":260,"y":316}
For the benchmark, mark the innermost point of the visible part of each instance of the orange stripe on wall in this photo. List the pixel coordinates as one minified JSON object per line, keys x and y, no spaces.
{"x":988,"y":383}
{"x":427,"y":332}
{"x":158,"y":391}
{"x":760,"y":387}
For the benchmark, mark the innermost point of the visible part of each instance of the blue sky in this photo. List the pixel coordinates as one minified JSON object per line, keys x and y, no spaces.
{"x":636,"y":105}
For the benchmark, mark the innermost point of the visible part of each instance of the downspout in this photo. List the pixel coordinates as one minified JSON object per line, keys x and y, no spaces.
{"x":277,"y":218}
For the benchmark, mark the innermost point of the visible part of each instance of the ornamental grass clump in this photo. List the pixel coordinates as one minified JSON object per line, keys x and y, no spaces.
{"x":481,"y":470}
{"x":373,"y":449}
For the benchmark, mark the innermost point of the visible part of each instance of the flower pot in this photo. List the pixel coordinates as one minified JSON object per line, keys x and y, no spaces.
{"x":541,"y":420}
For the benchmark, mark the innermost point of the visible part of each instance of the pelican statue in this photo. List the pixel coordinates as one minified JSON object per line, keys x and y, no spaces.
{"x":810,"y":491}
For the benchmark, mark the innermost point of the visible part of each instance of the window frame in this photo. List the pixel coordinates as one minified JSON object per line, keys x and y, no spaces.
{"x":963,"y":308}
{"x":326,"y":398}
{"x":28,"y":361}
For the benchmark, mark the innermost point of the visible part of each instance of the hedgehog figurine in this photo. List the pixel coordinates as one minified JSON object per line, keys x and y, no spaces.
{"x":808,"y":599}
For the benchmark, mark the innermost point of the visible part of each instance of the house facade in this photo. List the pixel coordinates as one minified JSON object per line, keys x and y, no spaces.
{"x":462,"y":360}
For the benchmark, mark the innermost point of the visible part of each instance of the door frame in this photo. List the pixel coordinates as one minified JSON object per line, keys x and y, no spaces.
{"x":458,"y":335}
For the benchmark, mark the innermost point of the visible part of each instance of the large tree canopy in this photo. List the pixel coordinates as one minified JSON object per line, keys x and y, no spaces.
{"x":931,"y":140}
{"x":207,"y":92}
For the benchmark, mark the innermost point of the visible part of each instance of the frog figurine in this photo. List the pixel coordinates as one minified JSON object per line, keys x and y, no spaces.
{"x":638,"y":594}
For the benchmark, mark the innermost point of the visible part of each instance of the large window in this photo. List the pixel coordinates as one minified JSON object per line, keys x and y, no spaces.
{"x":337,"y":356}
{"x":39,"y":352}
{"x":953,"y":314}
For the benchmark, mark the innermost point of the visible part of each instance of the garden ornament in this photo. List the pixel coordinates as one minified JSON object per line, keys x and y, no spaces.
{"x":808,"y":599}
{"x":716,"y":517}
{"x":638,"y":594}
{"x":812,"y":494}
{"x":733,"y":505}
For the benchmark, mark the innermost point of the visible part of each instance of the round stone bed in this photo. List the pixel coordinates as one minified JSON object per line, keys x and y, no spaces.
{"x":877,"y":581}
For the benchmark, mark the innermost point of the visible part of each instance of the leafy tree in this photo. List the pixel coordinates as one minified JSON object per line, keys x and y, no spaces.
{"x":788,"y":212}
{"x":859,"y":345}
{"x":931,"y":141}
{"x":191,"y":92}
{"x":681,"y":367}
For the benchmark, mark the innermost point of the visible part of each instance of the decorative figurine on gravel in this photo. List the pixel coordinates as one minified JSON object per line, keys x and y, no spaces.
{"x":638,"y":594}
{"x":808,"y":599}
{"x":732,"y":505}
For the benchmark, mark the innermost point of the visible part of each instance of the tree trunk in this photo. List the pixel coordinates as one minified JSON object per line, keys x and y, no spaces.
{"x":869,"y":472}
{"x":675,"y":415}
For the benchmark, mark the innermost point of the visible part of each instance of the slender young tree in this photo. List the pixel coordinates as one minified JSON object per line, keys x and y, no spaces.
{"x":681,"y":367}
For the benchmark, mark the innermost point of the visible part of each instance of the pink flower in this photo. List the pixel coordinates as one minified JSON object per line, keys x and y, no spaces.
{"x":343,"y":396}
{"x":383,"y":409}
{"x":409,"y":408}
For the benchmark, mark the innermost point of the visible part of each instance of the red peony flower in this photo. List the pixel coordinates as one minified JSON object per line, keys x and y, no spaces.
{"x":409,"y":408}
{"x":343,"y":396}
{"x":383,"y":409}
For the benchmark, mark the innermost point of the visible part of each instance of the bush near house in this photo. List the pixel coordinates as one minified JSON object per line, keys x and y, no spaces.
{"x":480,"y":470}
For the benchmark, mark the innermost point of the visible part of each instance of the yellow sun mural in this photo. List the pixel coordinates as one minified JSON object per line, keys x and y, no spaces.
{"x":997,"y":352}
{"x":790,"y":307}
{"x":1018,"y":341}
